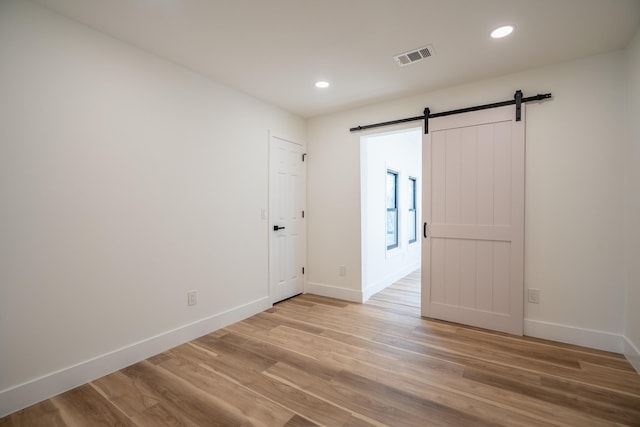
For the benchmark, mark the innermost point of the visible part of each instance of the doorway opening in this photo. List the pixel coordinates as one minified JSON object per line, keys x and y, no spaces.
{"x":391,"y":180}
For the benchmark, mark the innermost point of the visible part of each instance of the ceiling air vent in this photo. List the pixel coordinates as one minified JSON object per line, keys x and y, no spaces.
{"x":414,"y":55}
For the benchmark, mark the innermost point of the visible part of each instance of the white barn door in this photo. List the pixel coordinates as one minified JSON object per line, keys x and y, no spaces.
{"x":473,"y":208}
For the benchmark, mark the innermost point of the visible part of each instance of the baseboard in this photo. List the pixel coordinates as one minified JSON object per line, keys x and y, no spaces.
{"x":572,"y":335}
{"x":39,"y":389}
{"x":388,"y":280}
{"x":632,"y":353}
{"x":333,"y":292}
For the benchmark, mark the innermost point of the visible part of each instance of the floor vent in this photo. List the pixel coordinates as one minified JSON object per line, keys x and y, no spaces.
{"x":413,"y":56}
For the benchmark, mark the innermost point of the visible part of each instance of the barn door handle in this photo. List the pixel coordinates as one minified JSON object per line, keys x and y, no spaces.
{"x":277,"y":227}
{"x":424,"y":230}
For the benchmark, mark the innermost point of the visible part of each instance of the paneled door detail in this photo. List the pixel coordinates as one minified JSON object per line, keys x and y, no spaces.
{"x":473,"y":207}
{"x":286,"y":203}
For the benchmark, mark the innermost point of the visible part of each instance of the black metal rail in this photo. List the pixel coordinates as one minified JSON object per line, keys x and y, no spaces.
{"x":517,"y":101}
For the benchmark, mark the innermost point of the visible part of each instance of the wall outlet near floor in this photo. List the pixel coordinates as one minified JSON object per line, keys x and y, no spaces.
{"x":192,"y":297}
{"x":342,"y":270}
{"x":533,"y":296}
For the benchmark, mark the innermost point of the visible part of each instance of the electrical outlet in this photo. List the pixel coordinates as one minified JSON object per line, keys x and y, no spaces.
{"x":533,"y":296}
{"x":192,"y":297}
{"x":342,"y":270}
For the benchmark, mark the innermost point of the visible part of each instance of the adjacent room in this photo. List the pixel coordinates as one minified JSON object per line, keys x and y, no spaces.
{"x":300,"y":213}
{"x":391,"y":167}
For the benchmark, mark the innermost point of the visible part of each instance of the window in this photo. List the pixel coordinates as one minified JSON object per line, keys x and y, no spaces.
{"x":413,"y":219}
{"x":392,"y":209}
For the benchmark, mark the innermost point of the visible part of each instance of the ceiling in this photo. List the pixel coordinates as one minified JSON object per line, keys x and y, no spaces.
{"x":276,"y":49}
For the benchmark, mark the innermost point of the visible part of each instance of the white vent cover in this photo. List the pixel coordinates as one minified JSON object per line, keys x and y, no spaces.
{"x":415,"y":55}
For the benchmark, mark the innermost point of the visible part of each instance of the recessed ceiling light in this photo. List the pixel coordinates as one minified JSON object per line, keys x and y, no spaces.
{"x":322,"y":84}
{"x":501,"y":32}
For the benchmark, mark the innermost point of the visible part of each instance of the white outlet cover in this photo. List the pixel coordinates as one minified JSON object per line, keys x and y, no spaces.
{"x":192,"y":297}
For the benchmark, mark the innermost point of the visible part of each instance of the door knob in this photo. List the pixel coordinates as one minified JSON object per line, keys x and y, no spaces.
{"x":277,"y":227}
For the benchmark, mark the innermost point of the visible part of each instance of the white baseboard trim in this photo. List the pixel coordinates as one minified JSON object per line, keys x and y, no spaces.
{"x":333,"y":292}
{"x":388,"y":280}
{"x":18,"y":397}
{"x":600,"y":340}
{"x":632,"y":354}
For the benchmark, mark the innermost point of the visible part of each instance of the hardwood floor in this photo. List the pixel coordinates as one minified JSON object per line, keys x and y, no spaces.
{"x":404,"y":292}
{"x":313,"y":361}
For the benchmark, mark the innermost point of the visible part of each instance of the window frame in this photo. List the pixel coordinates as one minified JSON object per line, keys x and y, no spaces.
{"x":413,"y":207}
{"x":396,"y":176}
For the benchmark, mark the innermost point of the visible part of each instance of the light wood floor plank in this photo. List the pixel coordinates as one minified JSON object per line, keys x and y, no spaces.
{"x":316,"y":361}
{"x":84,"y":406}
{"x":401,"y":369}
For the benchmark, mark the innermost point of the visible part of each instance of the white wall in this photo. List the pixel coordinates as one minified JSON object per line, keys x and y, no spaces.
{"x":402,"y":153}
{"x":125,"y":181}
{"x":574,"y":193}
{"x":632,"y":208}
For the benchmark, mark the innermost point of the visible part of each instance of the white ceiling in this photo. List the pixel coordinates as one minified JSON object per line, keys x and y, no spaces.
{"x":276,"y":49}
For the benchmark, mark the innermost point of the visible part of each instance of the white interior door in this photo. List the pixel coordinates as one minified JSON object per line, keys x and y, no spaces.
{"x":473,"y":208}
{"x":286,"y":204}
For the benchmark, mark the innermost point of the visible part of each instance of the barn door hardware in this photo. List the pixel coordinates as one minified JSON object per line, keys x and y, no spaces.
{"x":517,"y":100}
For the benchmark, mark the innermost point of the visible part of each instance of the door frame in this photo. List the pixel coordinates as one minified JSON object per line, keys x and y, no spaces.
{"x":368,"y":286}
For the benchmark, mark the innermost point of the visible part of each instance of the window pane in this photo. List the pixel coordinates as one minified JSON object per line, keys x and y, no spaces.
{"x":392,"y":228}
{"x":412,"y":226}
{"x":392,"y":180}
{"x":412,"y":193}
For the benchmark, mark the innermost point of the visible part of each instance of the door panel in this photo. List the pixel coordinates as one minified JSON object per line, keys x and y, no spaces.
{"x":473,"y":203}
{"x":286,"y":203}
